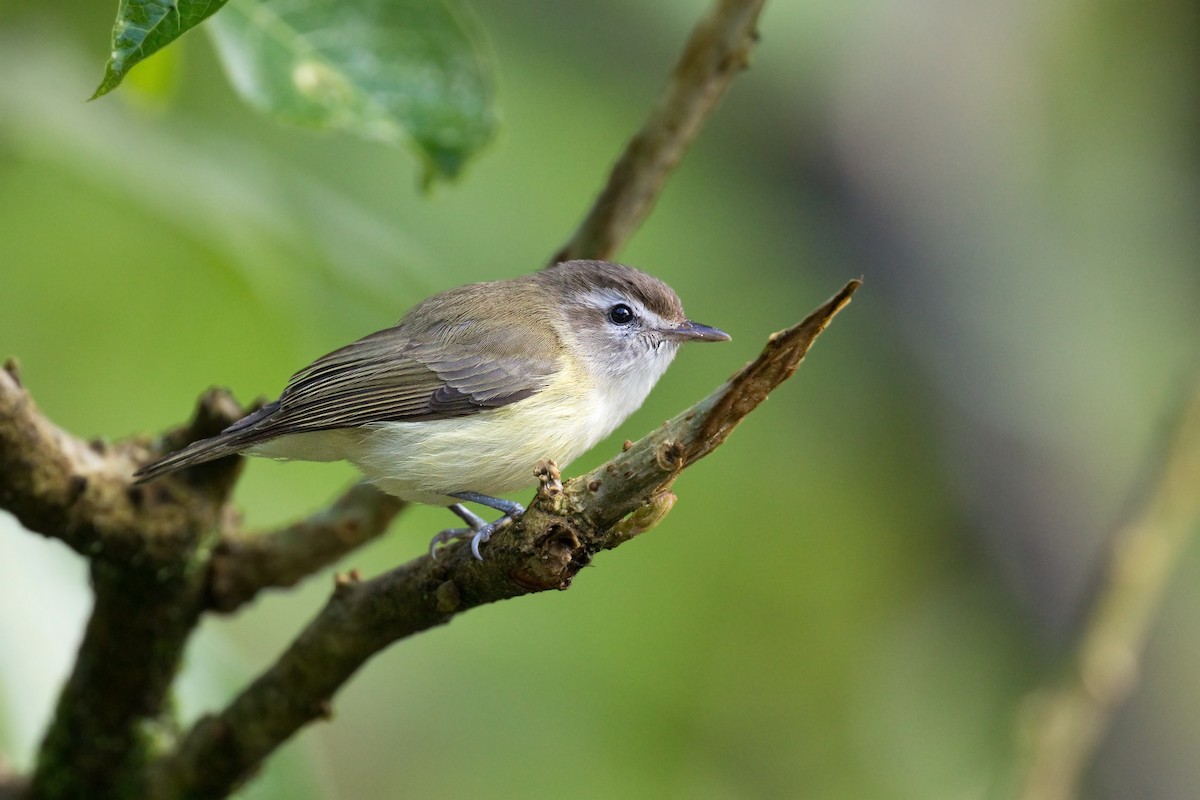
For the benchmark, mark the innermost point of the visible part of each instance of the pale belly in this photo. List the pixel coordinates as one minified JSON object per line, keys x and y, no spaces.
{"x":493,"y":452}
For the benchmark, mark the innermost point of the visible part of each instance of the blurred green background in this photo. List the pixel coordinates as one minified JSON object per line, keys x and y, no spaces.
{"x":851,"y":596}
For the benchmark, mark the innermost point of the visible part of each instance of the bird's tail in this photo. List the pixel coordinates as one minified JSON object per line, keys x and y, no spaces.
{"x":234,"y":439}
{"x":199,"y":452}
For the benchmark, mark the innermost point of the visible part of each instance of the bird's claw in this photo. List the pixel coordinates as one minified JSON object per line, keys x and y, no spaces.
{"x":448,"y":535}
{"x":481,"y":536}
{"x":478,"y":534}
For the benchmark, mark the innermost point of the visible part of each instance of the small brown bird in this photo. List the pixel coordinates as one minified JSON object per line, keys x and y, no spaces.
{"x":462,"y":398}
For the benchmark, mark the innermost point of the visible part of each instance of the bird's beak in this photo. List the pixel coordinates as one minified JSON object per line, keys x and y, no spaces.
{"x":695,"y":332}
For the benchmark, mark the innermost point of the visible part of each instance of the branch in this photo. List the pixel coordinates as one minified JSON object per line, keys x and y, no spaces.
{"x":143,"y":544}
{"x":717,"y":50}
{"x":563,"y":529}
{"x":242,"y":565}
{"x":1066,"y":722}
{"x":78,"y":492}
{"x":58,"y":485}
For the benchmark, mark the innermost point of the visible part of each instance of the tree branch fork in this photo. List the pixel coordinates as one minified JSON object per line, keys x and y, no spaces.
{"x":184,"y":528}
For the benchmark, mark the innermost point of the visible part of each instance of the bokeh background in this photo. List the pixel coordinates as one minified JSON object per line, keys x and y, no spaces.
{"x":854,"y":594}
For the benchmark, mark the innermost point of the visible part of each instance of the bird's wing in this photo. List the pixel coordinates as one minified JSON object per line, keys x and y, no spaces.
{"x":458,"y":366}
{"x":388,"y":376}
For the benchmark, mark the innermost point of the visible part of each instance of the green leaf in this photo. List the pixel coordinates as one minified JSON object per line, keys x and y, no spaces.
{"x":144,"y":27}
{"x":389,"y":70}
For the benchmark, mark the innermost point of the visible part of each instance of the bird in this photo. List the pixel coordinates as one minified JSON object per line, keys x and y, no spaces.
{"x":473,"y":388}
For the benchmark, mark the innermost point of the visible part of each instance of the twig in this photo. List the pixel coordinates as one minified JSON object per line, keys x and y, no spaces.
{"x":559,"y":535}
{"x":623,"y":484}
{"x":1064,"y":724}
{"x":717,"y":50}
{"x":242,"y":565}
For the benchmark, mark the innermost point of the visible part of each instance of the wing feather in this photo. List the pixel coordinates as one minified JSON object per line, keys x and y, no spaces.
{"x":389,"y":376}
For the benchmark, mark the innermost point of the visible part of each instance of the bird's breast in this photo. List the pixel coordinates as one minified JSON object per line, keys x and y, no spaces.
{"x":493,"y":452}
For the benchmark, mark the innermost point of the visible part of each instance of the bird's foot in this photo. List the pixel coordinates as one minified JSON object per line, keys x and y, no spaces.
{"x":477,"y":536}
{"x":479,"y":530}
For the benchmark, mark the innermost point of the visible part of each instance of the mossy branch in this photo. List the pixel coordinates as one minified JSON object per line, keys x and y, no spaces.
{"x":146,"y":548}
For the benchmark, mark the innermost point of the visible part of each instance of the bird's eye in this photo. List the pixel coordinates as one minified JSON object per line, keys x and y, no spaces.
{"x":620,"y":314}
